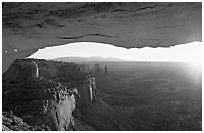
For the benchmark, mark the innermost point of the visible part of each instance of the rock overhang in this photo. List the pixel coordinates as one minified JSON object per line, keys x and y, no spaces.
{"x":27,"y":27}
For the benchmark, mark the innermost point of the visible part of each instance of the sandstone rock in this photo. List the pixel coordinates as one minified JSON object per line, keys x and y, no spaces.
{"x":38,"y":92}
{"x":84,"y":67}
{"x":96,"y":68}
{"x":48,"y":95}
{"x":12,"y":123}
{"x":27,"y":27}
{"x":4,"y":128}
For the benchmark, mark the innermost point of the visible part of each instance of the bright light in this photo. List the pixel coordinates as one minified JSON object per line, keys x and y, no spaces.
{"x":194,"y":70}
{"x":190,"y":52}
{"x":195,"y":65}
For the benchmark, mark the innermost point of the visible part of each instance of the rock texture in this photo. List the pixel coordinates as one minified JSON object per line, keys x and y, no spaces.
{"x":12,"y":123}
{"x":32,"y":89}
{"x":49,"y":95}
{"x":26,"y":27}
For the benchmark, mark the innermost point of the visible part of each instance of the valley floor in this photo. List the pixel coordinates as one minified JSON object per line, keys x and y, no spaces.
{"x":159,"y":97}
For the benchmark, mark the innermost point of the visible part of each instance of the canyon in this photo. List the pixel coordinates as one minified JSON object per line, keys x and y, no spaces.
{"x":51,"y":95}
{"x":46,"y":95}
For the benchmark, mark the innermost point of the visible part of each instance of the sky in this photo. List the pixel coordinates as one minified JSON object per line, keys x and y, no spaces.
{"x":189,"y":52}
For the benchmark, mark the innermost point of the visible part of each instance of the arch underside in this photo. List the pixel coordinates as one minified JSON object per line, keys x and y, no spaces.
{"x":27,"y":27}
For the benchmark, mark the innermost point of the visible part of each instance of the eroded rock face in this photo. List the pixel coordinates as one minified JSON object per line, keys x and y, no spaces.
{"x":29,"y":26}
{"x":12,"y":123}
{"x":38,"y":93}
{"x":50,"y":95}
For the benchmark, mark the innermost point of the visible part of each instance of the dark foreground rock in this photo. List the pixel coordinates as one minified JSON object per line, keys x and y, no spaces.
{"x":12,"y":123}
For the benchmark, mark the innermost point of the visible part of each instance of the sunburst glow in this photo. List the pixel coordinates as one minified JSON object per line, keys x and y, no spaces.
{"x":190,"y":52}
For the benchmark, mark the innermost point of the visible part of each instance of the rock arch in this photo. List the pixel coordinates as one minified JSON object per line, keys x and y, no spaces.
{"x":27,"y":27}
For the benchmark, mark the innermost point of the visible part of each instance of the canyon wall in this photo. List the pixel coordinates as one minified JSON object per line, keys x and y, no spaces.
{"x":84,"y":67}
{"x":45,"y":93}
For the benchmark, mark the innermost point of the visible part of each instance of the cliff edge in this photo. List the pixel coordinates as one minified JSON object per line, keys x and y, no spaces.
{"x":50,"y":95}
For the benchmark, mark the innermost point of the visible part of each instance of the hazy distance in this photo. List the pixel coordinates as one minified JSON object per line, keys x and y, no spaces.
{"x":190,"y":52}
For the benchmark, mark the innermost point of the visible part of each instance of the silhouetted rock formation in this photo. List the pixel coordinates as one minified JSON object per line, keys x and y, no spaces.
{"x":96,"y":68}
{"x":47,"y":94}
{"x":106,"y":70}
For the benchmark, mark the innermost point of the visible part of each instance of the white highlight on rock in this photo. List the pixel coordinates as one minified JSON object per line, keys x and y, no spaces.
{"x":37,"y":69}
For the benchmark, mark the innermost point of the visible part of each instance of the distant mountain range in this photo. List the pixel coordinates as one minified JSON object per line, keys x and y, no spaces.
{"x":89,"y":59}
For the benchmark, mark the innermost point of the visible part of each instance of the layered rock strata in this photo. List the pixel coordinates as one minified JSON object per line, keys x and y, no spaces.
{"x":50,"y":95}
{"x":38,"y":92}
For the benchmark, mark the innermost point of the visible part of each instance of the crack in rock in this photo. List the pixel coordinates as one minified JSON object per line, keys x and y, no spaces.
{"x":77,"y":37}
{"x":150,"y":7}
{"x":122,"y":10}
